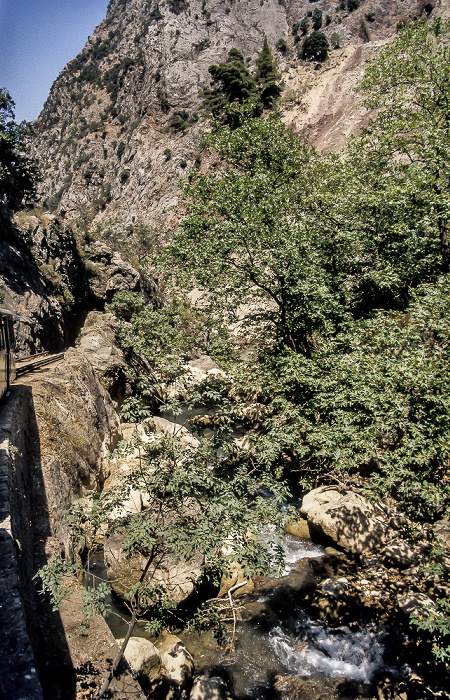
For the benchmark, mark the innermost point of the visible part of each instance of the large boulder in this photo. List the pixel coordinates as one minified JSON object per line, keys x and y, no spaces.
{"x":98,"y":343}
{"x":346,"y":518}
{"x":177,"y":576}
{"x":165,"y":427}
{"x":78,"y":426}
{"x":204,"y":367}
{"x":43,"y":281}
{"x":141,"y":654}
{"x":176,"y":660}
{"x":108,"y":273}
{"x":205,"y":688}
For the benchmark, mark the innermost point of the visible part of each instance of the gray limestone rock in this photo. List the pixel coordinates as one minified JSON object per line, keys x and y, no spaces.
{"x":345,"y":517}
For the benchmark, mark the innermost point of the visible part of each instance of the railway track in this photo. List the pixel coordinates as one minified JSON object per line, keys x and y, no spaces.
{"x":29,"y":364}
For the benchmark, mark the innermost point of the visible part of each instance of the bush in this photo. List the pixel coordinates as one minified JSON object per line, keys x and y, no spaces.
{"x":202,"y":44}
{"x":335,"y":40}
{"x":317,"y":19}
{"x":315,"y":47}
{"x":124,"y":176}
{"x":163,"y":101}
{"x":155,"y":14}
{"x":178,"y":6}
{"x":281,"y":46}
{"x":179,"y":121}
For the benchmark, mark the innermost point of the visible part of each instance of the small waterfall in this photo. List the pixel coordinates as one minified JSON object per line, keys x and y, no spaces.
{"x":315,"y":650}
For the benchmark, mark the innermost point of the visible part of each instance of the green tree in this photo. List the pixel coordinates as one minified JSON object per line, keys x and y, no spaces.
{"x":410,"y":138}
{"x":232,"y":82}
{"x":304,"y":26}
{"x":247,"y":237}
{"x":375,"y":395}
{"x":266,"y":76}
{"x":315,"y":47}
{"x":18,"y":173}
{"x":317,"y":19}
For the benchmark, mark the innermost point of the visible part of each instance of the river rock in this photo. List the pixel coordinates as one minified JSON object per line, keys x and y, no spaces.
{"x":205,"y":688}
{"x":204,"y":367}
{"x":141,"y":654}
{"x":293,"y":688}
{"x":178,"y":578}
{"x":334,"y":586}
{"x":175,"y":430}
{"x":298,"y":527}
{"x":415,"y":604}
{"x":399,"y":554}
{"x":176,"y":660}
{"x":235,"y":577}
{"x":345,"y":517}
{"x":441,"y":530}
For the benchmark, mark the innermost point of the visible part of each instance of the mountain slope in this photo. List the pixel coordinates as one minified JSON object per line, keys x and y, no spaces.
{"x":104,"y":141}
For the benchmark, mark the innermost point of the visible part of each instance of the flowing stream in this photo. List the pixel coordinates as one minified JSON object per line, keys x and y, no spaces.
{"x":280,"y":639}
{"x":276,"y":637}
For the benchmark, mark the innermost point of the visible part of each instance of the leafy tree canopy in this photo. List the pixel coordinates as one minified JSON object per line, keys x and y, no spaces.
{"x":18,"y":173}
{"x":410,"y":138}
{"x":315,"y":47}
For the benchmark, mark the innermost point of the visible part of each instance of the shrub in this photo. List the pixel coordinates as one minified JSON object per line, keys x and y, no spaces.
{"x":163,"y":101}
{"x":304,"y":26}
{"x":335,"y":40}
{"x":124,"y":176}
{"x":317,"y":19}
{"x":168,"y":153}
{"x":179,"y":120}
{"x":281,"y":46}
{"x":353,"y":5}
{"x":178,"y":6}
{"x":202,"y":44}
{"x":155,"y":14}
{"x":315,"y":47}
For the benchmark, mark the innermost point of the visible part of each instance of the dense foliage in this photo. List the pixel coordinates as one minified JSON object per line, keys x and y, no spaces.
{"x":337,"y":268}
{"x":18,"y":173}
{"x":334,"y":271}
{"x":232,"y":82}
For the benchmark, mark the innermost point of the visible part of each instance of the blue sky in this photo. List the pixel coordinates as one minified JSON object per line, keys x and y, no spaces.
{"x":38,"y":38}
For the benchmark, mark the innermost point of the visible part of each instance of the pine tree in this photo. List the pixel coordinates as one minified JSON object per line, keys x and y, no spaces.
{"x":267,"y":76}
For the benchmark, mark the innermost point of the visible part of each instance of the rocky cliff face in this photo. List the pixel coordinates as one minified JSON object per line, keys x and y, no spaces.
{"x":50,"y":286}
{"x":104,"y":139}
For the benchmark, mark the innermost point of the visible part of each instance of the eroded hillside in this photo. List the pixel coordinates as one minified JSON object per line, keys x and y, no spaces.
{"x":106,"y":143}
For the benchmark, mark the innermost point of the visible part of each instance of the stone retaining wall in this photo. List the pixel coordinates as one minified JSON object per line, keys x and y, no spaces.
{"x":18,"y":675}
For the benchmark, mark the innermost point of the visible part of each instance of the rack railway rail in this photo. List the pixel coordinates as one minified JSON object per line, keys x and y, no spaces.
{"x":33,"y":362}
